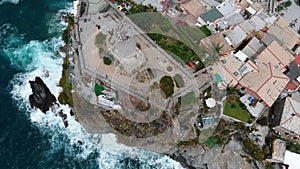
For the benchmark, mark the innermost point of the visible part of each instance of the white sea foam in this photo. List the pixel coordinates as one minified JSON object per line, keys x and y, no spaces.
{"x":9,"y":1}
{"x":54,"y":19}
{"x":77,"y":143}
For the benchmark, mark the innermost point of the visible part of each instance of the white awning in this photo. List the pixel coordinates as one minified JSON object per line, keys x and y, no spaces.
{"x":292,"y":159}
{"x":251,"y":10}
{"x":298,"y":79}
{"x":241,"y":56}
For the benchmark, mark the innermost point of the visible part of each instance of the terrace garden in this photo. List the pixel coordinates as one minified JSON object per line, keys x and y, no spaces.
{"x":234,"y":108}
{"x":177,"y":48}
{"x":134,"y":129}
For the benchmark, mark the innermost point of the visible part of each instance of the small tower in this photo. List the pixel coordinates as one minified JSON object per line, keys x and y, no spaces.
{"x":125,"y":49}
{"x":125,"y":42}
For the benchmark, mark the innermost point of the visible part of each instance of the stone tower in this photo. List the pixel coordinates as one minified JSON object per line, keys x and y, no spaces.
{"x":125,"y":42}
{"x":125,"y":49}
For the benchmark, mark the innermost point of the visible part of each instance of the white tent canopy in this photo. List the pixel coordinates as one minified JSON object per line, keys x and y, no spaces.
{"x":210,"y":102}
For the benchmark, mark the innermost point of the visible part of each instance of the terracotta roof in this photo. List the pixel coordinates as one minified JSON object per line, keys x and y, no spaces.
{"x":268,"y":82}
{"x":194,"y":7}
{"x":284,"y":33}
{"x":276,"y":55}
{"x":291,"y":86}
{"x":297,"y":59}
{"x":213,"y":40}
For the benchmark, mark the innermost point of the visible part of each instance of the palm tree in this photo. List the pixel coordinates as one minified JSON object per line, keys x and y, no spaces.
{"x":215,"y":53}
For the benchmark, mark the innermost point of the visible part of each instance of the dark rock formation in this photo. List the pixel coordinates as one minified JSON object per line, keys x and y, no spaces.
{"x":71,"y":112}
{"x":64,"y":118}
{"x":182,"y":161}
{"x":41,"y":96}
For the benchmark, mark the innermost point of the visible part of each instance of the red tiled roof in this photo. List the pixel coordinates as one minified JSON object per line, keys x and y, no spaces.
{"x":297,"y":59}
{"x":267,"y":75}
{"x":291,"y":86}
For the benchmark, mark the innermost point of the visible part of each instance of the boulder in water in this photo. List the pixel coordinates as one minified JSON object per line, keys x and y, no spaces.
{"x":41,"y":96}
{"x":64,"y":118}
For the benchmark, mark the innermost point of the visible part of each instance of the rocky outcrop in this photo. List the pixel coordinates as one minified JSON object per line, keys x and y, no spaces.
{"x":43,"y":99}
{"x":41,"y":96}
{"x":64,"y":118}
{"x":198,"y":157}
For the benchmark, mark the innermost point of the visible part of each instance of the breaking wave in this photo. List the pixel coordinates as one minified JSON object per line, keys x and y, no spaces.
{"x":9,"y":1}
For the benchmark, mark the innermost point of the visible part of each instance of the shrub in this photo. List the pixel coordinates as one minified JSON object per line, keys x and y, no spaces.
{"x":288,"y":3}
{"x":166,"y":85}
{"x":205,"y":30}
{"x":293,"y":146}
{"x":255,"y":151}
{"x":101,"y":50}
{"x":65,"y":36}
{"x":107,"y":60}
{"x":212,"y":141}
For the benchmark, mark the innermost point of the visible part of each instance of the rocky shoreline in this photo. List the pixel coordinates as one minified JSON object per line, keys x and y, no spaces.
{"x":41,"y":98}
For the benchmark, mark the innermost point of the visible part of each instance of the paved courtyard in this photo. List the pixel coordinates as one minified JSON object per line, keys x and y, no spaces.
{"x":292,"y":15}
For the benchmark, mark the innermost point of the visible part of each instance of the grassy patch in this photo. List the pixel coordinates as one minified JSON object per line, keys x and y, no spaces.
{"x":179,"y":81}
{"x":100,"y":39}
{"x":211,"y":141}
{"x":236,"y":110}
{"x":255,"y":151}
{"x":167,"y":86}
{"x":101,"y":50}
{"x":189,"y":99}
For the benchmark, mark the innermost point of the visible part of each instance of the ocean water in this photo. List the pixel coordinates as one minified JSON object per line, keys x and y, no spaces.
{"x":29,"y":36}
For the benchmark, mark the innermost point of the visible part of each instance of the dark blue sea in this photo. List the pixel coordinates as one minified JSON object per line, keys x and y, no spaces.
{"x":29,"y":38}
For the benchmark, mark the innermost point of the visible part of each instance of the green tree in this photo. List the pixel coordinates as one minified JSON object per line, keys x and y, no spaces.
{"x":107,"y":60}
